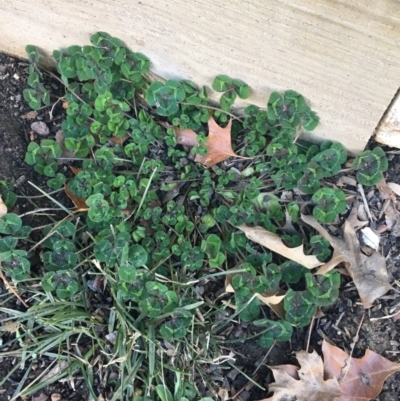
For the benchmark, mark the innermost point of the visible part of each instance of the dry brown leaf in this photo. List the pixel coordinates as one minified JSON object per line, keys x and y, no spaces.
{"x":385,"y":189}
{"x":79,"y":203}
{"x":361,"y":379}
{"x":354,"y":221}
{"x":339,"y":377}
{"x":219,"y":144}
{"x":392,"y":219}
{"x":30,"y":115}
{"x":3,"y":208}
{"x":186,"y":137}
{"x":304,"y":384}
{"x":394,"y":187}
{"x":119,"y":140}
{"x":75,"y":170}
{"x":275,"y":244}
{"x":369,"y":273}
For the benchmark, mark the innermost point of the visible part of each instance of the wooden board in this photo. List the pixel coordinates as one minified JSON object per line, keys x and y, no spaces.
{"x":343,"y":56}
{"x":388,"y":131}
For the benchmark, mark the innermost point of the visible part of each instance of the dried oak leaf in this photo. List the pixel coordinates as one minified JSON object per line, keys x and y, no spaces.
{"x":368,"y":272}
{"x":303,"y":384}
{"x":218,"y":142}
{"x":338,"y":378}
{"x":275,"y":244}
{"x":360,"y":379}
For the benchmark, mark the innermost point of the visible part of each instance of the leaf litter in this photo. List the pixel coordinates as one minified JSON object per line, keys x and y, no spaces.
{"x":337,"y":377}
{"x":219,"y":142}
{"x":368,"y":272}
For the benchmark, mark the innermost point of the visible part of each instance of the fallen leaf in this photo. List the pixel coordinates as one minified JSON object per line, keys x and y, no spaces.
{"x":219,"y":144}
{"x":30,"y":114}
{"x":385,"y":189}
{"x":40,"y":128}
{"x":79,"y":203}
{"x":361,"y":379}
{"x":392,"y":219}
{"x":344,"y":180}
{"x":75,"y":170}
{"x":368,"y":273}
{"x":306,"y":383}
{"x":10,"y":326}
{"x":3,"y":208}
{"x":338,"y":377}
{"x":353,"y":217}
{"x":394,"y":187}
{"x":275,"y":244}
{"x":119,"y":140}
{"x":186,"y":137}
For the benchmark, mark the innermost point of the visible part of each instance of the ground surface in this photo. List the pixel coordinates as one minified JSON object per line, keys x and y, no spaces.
{"x":339,"y":325}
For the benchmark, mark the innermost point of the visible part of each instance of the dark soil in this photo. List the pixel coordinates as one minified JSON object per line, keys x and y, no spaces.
{"x":339,"y":325}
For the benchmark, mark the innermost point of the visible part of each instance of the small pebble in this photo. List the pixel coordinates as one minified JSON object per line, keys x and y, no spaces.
{"x":40,"y":128}
{"x":16,"y":76}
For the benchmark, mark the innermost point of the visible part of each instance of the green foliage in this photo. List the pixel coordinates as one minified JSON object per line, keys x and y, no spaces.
{"x":155,"y":228}
{"x":370,"y":165}
{"x":324,"y":288}
{"x":36,"y":94}
{"x":290,"y":110}
{"x":274,"y":331}
{"x":165,"y":97}
{"x":63,"y":282}
{"x":231,"y":88}
{"x":44,"y":156}
{"x":211,"y":246}
{"x":6,"y":194}
{"x":329,"y":203}
{"x":320,"y":247}
{"x":300,"y":307}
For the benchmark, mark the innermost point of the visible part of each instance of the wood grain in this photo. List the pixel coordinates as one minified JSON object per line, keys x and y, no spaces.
{"x":342,"y":56}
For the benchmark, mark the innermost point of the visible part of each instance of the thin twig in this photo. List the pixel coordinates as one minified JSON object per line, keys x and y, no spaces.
{"x":309,"y":332}
{"x":10,"y":287}
{"x":384,"y":317}
{"x":361,"y":191}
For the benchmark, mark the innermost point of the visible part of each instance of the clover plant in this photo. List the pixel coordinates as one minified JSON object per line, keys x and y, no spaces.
{"x":153,"y":221}
{"x":370,"y":165}
{"x":329,"y":203}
